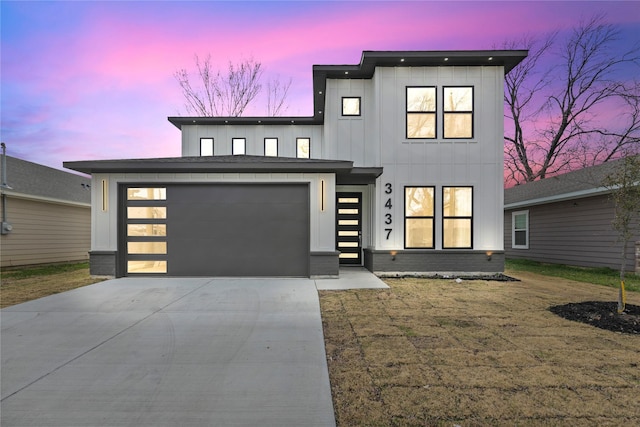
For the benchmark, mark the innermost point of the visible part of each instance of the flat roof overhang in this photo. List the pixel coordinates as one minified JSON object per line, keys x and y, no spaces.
{"x":365,"y":70}
{"x":343,"y":169}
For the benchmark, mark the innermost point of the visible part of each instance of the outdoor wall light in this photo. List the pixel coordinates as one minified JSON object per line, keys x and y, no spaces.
{"x":323,"y":195}
{"x":489,"y":253}
{"x":105,"y":195}
{"x":393,"y":255}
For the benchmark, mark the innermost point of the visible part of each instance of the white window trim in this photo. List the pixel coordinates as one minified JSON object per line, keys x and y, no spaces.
{"x":513,"y":229}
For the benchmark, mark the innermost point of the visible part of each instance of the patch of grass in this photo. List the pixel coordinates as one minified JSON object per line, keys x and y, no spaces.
{"x":430,"y":352}
{"x":42,"y":270}
{"x":598,"y":276}
{"x":25,"y":284}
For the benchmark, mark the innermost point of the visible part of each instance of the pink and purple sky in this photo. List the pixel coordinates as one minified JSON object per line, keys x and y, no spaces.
{"x":83,"y":80}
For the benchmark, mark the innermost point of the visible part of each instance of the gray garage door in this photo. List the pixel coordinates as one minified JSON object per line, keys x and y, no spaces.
{"x":238,"y":230}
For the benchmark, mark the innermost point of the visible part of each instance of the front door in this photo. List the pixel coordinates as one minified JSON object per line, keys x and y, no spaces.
{"x":349,"y":227}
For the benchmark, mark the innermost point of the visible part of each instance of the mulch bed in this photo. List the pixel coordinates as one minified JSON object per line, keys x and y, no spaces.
{"x":602,"y":314}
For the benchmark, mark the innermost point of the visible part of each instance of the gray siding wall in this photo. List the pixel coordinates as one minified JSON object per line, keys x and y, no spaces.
{"x":45,"y":232}
{"x":575,"y":232}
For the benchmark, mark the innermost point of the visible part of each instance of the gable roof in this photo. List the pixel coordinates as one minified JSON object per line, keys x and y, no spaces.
{"x":32,"y":179}
{"x":580,"y":183}
{"x":368,"y":63}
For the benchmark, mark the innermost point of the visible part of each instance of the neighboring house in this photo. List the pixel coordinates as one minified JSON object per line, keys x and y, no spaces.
{"x":46,"y":215}
{"x":399,"y":169}
{"x":565,"y":219}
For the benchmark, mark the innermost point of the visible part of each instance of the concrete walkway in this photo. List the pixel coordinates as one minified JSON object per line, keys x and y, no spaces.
{"x":171,"y":352}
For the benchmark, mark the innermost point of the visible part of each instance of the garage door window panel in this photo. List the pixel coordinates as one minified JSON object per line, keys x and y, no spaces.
{"x":146,"y":230}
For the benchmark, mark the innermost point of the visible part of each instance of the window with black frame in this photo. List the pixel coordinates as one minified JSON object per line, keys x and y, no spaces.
{"x":457,"y":217}
{"x":419,"y":208}
{"x":457,"y":112}
{"x":421,"y":112}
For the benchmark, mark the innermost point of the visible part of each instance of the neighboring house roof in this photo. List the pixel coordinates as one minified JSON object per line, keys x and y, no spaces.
{"x":368,"y":63}
{"x":571,"y":185}
{"x":42,"y":182}
{"x":226,"y":164}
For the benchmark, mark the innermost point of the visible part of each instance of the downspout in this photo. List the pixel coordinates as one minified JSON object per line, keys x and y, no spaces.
{"x":5,"y":226}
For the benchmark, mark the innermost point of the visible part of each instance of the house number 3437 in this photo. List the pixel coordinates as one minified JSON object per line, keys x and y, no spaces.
{"x":388,"y":218}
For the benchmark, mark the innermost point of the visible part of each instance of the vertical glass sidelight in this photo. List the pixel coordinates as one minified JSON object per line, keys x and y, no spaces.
{"x":271,"y":147}
{"x":421,"y":112}
{"x":458,"y":112}
{"x":419,"y":210}
{"x":206,"y":146}
{"x":303,"y":148}
{"x":146,"y":230}
{"x":349,"y":227}
{"x":457,"y":217}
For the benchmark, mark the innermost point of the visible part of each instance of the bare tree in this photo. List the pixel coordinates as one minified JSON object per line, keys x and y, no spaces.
{"x":277,"y":92}
{"x":552,"y":125}
{"x":228,"y":95}
{"x":624,"y":183}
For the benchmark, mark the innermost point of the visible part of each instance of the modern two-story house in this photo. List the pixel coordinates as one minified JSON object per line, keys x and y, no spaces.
{"x":400,"y":169}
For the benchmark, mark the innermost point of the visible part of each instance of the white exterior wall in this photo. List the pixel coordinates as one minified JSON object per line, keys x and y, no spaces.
{"x":255,"y":136}
{"x":104,"y":224}
{"x":378,"y":138}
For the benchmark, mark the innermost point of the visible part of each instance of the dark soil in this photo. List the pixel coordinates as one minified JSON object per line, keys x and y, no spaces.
{"x":602,"y":314}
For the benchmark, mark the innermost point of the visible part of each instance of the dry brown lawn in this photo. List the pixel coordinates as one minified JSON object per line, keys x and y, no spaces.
{"x":478,"y":353}
{"x":18,"y":290}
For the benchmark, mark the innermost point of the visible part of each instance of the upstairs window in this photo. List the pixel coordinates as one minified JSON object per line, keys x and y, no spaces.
{"x":457,"y":217}
{"x":351,"y":106}
{"x":238,"y":146}
{"x":421,"y":112}
{"x":206,"y":146}
{"x":271,"y":147}
{"x":520,"y":230}
{"x":303,"y":148}
{"x":458,"y":112}
{"x":418,"y":217}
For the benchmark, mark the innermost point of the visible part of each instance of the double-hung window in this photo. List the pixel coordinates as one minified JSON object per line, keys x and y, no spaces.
{"x":238,"y":146}
{"x":419,"y":217}
{"x":457,"y":112}
{"x":520,"y":230}
{"x":206,"y":146}
{"x":457,"y":217}
{"x":421,"y":112}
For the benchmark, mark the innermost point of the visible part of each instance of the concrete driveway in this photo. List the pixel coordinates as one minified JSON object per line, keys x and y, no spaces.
{"x":168,"y":352}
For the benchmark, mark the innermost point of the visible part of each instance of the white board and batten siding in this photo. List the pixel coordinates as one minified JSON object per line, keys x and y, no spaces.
{"x":378,"y":138}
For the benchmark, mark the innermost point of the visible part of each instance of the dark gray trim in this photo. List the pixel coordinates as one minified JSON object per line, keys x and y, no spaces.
{"x":358,"y":176}
{"x":102,"y":263}
{"x":212,"y":164}
{"x":324,"y":264}
{"x":430,"y":261}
